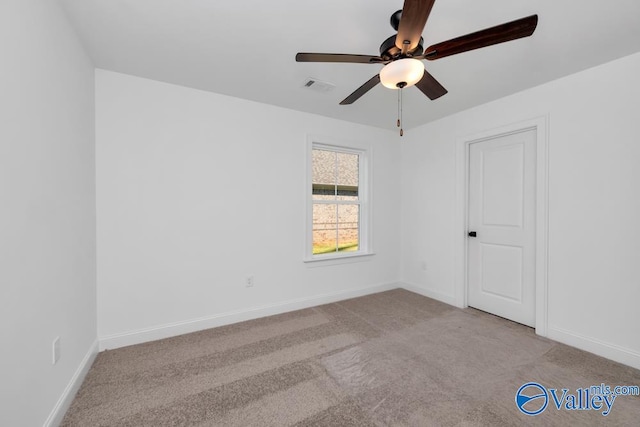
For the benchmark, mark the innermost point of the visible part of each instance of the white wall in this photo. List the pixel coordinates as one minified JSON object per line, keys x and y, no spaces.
{"x":594,"y":203}
{"x":47,"y":210}
{"x":195,"y":191}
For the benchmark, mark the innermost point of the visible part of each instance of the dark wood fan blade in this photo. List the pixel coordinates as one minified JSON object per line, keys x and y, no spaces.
{"x":361,"y":90}
{"x":338,"y":57}
{"x":414,"y":17}
{"x":430,"y":86}
{"x":499,"y":34}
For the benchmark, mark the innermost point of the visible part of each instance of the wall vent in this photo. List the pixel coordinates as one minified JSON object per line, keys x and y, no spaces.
{"x":318,"y":85}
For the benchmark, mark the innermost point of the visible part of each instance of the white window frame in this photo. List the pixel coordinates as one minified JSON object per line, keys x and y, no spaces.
{"x":364,"y":198}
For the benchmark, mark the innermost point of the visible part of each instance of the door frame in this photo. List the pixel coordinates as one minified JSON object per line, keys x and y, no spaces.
{"x":539,"y":124}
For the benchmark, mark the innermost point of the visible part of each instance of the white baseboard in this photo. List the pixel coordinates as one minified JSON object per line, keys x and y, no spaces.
{"x":610,"y":351}
{"x":178,"y":328}
{"x":63,"y":403}
{"x":429,"y":293}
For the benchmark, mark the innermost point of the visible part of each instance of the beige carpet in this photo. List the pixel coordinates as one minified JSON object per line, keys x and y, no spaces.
{"x":394,"y":358}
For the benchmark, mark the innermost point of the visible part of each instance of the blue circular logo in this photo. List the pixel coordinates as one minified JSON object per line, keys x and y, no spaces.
{"x":534,"y":393}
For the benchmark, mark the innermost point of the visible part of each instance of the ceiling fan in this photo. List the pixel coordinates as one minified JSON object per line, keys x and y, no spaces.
{"x":402,"y":53}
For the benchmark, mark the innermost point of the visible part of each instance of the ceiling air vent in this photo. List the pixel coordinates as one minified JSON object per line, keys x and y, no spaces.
{"x":318,"y":85}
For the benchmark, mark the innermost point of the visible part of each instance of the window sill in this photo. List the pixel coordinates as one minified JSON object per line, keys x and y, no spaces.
{"x":321,"y":261}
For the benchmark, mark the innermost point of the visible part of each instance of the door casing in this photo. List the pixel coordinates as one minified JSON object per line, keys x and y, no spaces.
{"x":542,"y":212}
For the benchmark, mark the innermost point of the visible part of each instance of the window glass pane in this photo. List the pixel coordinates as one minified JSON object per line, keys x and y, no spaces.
{"x":324,"y":174}
{"x":348,"y":225}
{"x":335,"y":201}
{"x":347,"y":176}
{"x":325,"y":232}
{"x":323,"y":197}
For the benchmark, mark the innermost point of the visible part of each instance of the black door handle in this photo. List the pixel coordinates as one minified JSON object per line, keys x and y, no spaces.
{"x":472,"y":234}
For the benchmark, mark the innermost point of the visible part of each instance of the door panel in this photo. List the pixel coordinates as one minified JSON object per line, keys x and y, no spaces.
{"x":501,"y":273}
{"x":501,"y":258}
{"x":502,"y":169}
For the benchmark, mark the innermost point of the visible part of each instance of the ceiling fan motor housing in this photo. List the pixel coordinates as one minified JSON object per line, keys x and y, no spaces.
{"x":390,"y":52}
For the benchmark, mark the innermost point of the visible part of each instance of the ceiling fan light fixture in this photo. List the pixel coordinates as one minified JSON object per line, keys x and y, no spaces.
{"x":407,"y":70}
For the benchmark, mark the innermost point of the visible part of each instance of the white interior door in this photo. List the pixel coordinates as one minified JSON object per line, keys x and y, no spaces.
{"x":501,"y":257}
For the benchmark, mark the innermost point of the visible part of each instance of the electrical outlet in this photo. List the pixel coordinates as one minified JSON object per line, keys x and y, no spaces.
{"x":249,"y":282}
{"x":56,"y":351}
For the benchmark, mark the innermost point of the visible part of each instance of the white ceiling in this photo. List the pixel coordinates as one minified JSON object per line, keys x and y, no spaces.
{"x":247,"y":48}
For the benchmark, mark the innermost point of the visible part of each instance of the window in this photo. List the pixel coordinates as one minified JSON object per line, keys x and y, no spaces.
{"x":338,"y":209}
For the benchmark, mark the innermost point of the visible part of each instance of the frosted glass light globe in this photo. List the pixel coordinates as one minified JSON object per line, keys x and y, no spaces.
{"x":407,"y":70}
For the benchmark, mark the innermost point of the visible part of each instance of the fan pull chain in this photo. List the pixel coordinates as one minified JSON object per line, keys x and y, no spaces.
{"x":400,"y":113}
{"x":398,"y":122}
